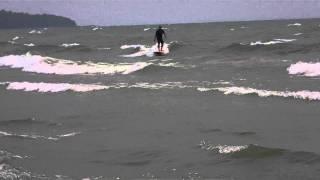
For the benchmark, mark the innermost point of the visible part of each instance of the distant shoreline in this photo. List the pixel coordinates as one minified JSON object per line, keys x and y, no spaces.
{"x":15,"y":20}
{"x":211,"y":22}
{"x":46,"y":20}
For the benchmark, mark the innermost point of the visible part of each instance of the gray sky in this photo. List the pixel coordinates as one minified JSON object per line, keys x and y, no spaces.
{"x":124,"y":12}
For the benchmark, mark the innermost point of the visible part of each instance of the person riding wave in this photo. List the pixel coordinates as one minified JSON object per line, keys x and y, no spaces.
{"x":159,"y":37}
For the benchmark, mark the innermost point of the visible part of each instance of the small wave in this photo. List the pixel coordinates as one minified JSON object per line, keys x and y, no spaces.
{"x":244,"y":151}
{"x":19,"y":121}
{"x":167,"y":85}
{"x":49,"y":65}
{"x":29,"y":45}
{"x":15,"y":38}
{"x":9,"y":155}
{"x":297,"y":34}
{"x":25,"y":136}
{"x":69,"y":134}
{"x":35,"y":31}
{"x":222,"y":149}
{"x":96,"y":28}
{"x":61,"y":87}
{"x":146,"y":29}
{"x":104,"y":48}
{"x":175,"y":45}
{"x":144,"y":50}
{"x":294,"y":24}
{"x":70,"y":45}
{"x":245,"y":133}
{"x":12,"y":42}
{"x":308,"y":69}
{"x":34,"y":137}
{"x":305,"y":95}
{"x":274,"y":41}
{"x":54,"y":87}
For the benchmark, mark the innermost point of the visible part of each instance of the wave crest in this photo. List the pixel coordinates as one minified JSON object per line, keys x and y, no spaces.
{"x":49,"y":65}
{"x":222,"y":149}
{"x":305,"y":94}
{"x":54,"y":87}
{"x":34,"y":137}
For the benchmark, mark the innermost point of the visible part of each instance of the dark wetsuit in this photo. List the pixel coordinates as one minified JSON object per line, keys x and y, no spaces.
{"x":159,"y":36}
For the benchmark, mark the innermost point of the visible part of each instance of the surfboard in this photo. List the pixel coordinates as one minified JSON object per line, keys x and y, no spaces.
{"x":158,"y":53}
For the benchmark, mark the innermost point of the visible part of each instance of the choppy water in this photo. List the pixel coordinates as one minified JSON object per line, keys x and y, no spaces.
{"x":227,"y":101}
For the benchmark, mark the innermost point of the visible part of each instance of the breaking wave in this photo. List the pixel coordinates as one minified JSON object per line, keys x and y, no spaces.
{"x":29,"y":45}
{"x":222,"y":149}
{"x":144,"y":50}
{"x":61,"y":87}
{"x":305,"y":94}
{"x":253,"y":151}
{"x":36,"y":31}
{"x":16,"y":38}
{"x":49,"y":65}
{"x":243,"y":151}
{"x":70,"y":44}
{"x":308,"y":69}
{"x":97,"y":28}
{"x":34,"y":137}
{"x":53,"y":87}
{"x":274,"y":41}
{"x":8,"y":172}
{"x":294,"y":24}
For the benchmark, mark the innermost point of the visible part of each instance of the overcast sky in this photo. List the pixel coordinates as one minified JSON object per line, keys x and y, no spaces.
{"x":124,"y":12}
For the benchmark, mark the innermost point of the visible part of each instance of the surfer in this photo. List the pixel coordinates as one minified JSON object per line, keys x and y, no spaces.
{"x":159,"y":36}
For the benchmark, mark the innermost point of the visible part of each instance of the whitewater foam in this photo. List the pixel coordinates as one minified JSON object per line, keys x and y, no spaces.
{"x":274,"y":41}
{"x":12,"y":42}
{"x":304,"y":94}
{"x":69,"y":134}
{"x":53,"y":87}
{"x":297,"y":34}
{"x":222,"y":149}
{"x":70,"y":45}
{"x":294,"y":24}
{"x":26,"y":136}
{"x":49,"y":65}
{"x":144,"y":50}
{"x":61,"y":87}
{"x":15,"y":38}
{"x":35,"y":31}
{"x":96,"y":28}
{"x":30,"y":44}
{"x":308,"y":69}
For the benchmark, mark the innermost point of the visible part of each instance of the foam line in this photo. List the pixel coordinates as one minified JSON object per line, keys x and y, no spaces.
{"x":305,"y":94}
{"x":49,"y":65}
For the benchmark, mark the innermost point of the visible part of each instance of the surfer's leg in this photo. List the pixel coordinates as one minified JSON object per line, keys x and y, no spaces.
{"x":158,"y":42}
{"x":162,"y":45}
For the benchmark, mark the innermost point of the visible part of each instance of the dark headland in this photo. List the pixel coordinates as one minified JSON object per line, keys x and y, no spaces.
{"x":10,"y":19}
